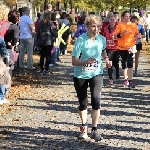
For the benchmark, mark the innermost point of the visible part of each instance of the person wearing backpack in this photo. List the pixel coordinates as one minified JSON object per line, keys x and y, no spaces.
{"x":47,"y":33}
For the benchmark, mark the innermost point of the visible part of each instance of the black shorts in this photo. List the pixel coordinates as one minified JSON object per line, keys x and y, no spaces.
{"x":126,"y":59}
{"x":139,"y":47}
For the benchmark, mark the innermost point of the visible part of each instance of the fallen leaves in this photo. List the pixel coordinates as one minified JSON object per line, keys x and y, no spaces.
{"x":29,"y":85}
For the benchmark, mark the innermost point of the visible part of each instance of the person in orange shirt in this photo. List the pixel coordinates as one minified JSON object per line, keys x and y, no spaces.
{"x":127,"y":33}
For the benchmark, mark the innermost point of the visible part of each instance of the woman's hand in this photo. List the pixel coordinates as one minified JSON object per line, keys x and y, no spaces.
{"x":108,"y":63}
{"x":91,"y":60}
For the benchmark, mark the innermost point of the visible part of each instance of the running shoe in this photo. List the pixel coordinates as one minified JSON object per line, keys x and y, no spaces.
{"x":83,"y":134}
{"x":125,"y":83}
{"x":111,"y":82}
{"x":131,"y":85}
{"x":51,"y":65}
{"x":48,"y":72}
{"x":41,"y":72}
{"x":135,"y":74}
{"x":96,"y":136}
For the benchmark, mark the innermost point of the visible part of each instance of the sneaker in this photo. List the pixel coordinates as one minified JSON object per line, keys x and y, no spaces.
{"x":41,"y":72}
{"x":111,"y":82}
{"x":3,"y":101}
{"x":32,"y":68}
{"x":94,"y":135}
{"x":58,"y":60}
{"x":135,"y":74}
{"x":131,"y":85}
{"x":83,"y":134}
{"x":25,"y":67}
{"x":47,"y":72}
{"x":125,"y":83}
{"x":51,"y":65}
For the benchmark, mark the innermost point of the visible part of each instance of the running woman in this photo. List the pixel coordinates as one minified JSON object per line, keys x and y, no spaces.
{"x":86,"y":59}
{"x":111,"y":48}
{"x":141,"y":35}
{"x":127,"y":33}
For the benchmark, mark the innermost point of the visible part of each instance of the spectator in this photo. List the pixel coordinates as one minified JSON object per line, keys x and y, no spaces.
{"x":27,"y":31}
{"x":11,"y":39}
{"x":72,"y":17}
{"x":55,"y":51}
{"x":5,"y":79}
{"x":47,"y":34}
{"x":36,"y":44}
{"x":47,"y":8}
{"x":4,"y":23}
{"x":65,"y":35}
{"x":147,"y":28}
{"x":37,"y":21}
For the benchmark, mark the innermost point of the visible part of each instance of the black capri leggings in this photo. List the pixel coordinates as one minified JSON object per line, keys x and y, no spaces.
{"x":126,"y":59}
{"x":95,"y":85}
{"x":114,"y":57}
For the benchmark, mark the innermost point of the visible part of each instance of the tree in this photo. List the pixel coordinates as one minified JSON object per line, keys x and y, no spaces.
{"x":10,"y":3}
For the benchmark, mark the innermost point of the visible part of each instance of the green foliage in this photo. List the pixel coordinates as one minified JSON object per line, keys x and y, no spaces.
{"x":97,"y":5}
{"x":9,"y":3}
{"x":90,"y":5}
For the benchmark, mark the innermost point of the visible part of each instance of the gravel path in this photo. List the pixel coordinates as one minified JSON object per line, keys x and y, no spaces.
{"x":45,"y":117}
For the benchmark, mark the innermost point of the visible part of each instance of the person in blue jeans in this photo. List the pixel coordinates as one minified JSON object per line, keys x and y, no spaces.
{"x":5,"y":79}
{"x":54,"y":56}
{"x":147,"y":35}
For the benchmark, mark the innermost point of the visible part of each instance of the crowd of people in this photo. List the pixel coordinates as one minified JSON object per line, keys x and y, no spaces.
{"x":117,"y":37}
{"x":114,"y":38}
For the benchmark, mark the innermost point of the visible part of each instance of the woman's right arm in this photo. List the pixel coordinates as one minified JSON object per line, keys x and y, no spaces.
{"x":77,"y":52}
{"x":78,"y":62}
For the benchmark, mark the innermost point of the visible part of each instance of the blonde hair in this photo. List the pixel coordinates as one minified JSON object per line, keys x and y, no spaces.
{"x":47,"y":17}
{"x":4,"y":10}
{"x":92,"y":18}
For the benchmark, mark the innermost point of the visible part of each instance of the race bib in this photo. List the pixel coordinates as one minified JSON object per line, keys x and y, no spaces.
{"x":90,"y":67}
{"x":110,"y":43}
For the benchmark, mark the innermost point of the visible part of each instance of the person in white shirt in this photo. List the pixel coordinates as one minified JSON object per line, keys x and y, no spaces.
{"x":27,"y":31}
{"x":147,"y":28}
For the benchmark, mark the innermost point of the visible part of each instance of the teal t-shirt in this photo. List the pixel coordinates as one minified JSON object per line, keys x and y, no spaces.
{"x":85,"y":48}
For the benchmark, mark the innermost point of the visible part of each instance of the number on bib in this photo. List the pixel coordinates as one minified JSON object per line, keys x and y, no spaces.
{"x":110,"y":43}
{"x":90,"y":67}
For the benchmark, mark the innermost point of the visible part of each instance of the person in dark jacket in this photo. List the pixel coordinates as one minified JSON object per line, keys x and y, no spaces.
{"x":81,"y":26}
{"x":47,"y":33}
{"x":12,"y":39}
